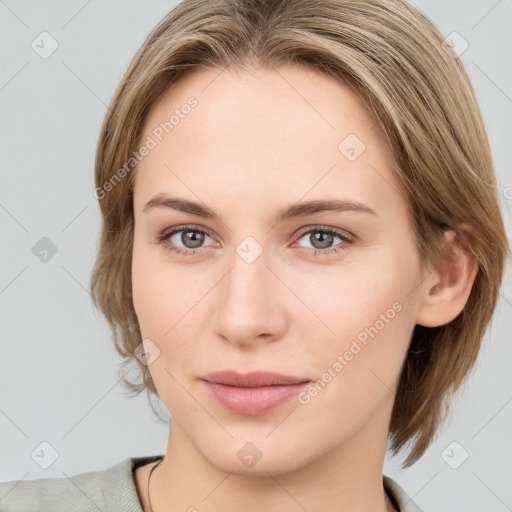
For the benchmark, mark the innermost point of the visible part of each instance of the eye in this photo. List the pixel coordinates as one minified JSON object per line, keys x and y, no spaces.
{"x":323,"y":238}
{"x":190,"y":237}
{"x":185,"y":240}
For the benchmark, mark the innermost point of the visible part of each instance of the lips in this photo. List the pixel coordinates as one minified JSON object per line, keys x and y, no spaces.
{"x":252,"y":394}
{"x":253,"y":379}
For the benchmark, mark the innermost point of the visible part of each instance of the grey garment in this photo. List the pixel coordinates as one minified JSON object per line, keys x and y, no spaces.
{"x":112,"y":490}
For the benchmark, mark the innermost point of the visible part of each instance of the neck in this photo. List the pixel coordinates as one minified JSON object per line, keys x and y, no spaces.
{"x":347,"y":478}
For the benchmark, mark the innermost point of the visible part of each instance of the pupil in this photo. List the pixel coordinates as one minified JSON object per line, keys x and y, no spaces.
{"x":195,"y":239}
{"x":323,"y":243}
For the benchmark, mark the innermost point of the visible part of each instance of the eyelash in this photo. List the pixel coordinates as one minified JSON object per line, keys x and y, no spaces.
{"x":164,"y":236}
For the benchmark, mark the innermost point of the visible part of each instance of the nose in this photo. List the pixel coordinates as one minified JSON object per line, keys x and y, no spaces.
{"x":250,"y":304}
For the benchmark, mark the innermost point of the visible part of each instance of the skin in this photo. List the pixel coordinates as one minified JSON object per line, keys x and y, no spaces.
{"x":259,"y":140}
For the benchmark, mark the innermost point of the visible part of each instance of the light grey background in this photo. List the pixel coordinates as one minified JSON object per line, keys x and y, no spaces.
{"x":58,"y":379}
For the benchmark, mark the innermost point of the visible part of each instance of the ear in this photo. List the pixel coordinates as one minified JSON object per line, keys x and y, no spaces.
{"x":445,"y":291}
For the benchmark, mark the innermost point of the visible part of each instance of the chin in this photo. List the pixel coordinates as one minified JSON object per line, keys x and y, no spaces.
{"x":260,"y":458}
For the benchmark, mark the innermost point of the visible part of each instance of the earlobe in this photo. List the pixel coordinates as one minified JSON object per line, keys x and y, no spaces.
{"x":446,"y":290}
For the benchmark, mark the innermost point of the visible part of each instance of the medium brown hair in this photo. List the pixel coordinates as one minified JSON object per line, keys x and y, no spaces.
{"x":393,"y":57}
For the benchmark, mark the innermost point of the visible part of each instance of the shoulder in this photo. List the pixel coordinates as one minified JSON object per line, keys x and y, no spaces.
{"x":110,"y":489}
{"x":399,"y":497}
{"x":80,"y":492}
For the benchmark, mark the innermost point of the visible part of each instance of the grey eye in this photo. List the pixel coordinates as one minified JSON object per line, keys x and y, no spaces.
{"x":191,"y":239}
{"x":321,"y":239}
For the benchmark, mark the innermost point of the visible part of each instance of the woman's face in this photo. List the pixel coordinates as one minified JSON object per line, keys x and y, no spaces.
{"x":264,"y":292}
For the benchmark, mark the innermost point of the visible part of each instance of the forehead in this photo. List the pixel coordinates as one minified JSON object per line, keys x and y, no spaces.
{"x":261,"y":135}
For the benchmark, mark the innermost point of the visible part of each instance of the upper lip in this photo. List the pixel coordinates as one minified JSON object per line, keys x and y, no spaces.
{"x":253,"y":379}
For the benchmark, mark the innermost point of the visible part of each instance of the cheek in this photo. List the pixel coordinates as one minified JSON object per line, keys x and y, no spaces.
{"x":349,"y":299}
{"x":158,"y":293}
{"x":370,"y":319}
{"x":163,"y":304}
{"x":359,"y":371}
{"x":166,"y":301}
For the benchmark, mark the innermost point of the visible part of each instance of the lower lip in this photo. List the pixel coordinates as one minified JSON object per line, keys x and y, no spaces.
{"x":253,"y":401}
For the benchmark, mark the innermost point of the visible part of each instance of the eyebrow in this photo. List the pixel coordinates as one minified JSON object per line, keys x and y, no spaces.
{"x":288,"y":212}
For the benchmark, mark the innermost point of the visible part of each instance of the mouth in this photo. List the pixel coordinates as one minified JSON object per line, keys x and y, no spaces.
{"x":252,"y":394}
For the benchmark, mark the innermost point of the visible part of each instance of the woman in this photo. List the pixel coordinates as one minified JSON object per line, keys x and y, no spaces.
{"x":301,"y":249}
